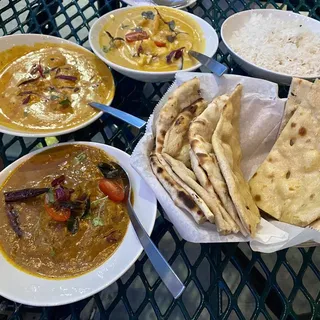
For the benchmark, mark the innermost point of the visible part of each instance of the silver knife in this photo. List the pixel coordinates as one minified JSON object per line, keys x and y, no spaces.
{"x":124,"y":116}
{"x":214,"y":66}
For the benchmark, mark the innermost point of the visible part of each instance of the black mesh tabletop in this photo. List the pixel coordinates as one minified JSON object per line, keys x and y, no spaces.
{"x":223,"y":281}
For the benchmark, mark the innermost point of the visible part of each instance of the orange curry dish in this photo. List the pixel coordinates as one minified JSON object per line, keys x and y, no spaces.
{"x":46,"y":87}
{"x":62,"y":212}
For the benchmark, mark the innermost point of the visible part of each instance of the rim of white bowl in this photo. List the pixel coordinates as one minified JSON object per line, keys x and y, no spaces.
{"x":114,"y":65}
{"x":264,"y":11}
{"x":28,"y":134}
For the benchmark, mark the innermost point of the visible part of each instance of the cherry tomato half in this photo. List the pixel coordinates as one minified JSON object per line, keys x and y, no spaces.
{"x":113,"y":189}
{"x":57,"y":215}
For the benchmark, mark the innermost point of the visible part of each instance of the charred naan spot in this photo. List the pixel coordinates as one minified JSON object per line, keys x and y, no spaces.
{"x":168,"y":180}
{"x":247,"y":207}
{"x":163,"y":132}
{"x":224,"y":107}
{"x":186,"y":200}
{"x":159,"y":170}
{"x":291,"y":189}
{"x":270,"y":159}
{"x":292,"y":94}
{"x":312,"y":196}
{"x":160,"y":140}
{"x":199,"y":91}
{"x":291,"y":113}
{"x":302,"y":131}
{"x":200,"y":213}
{"x":178,"y":121}
{"x":193,"y":109}
{"x":201,"y":121}
{"x":271,"y":175}
{"x":254,"y":174}
{"x":257,"y":197}
{"x":288,"y":174}
{"x":292,"y":141}
{"x":293,"y":124}
{"x":308,"y":140}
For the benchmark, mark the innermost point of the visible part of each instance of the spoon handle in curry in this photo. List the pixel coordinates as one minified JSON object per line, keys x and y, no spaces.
{"x":162,"y":267}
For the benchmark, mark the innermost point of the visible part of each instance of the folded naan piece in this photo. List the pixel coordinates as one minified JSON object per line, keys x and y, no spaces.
{"x":176,"y":142}
{"x":200,"y":135}
{"x":226,"y":146}
{"x":224,"y":223}
{"x":177,"y":193}
{"x":182,"y":97}
{"x":304,"y":94}
{"x":286,"y":185}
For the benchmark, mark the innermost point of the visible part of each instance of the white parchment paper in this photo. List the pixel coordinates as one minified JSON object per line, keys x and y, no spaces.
{"x":260,"y":117}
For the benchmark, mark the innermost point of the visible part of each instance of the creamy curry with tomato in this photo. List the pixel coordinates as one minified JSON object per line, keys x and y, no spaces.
{"x":46,"y":87}
{"x":151,"y":39}
{"x":62,"y":212}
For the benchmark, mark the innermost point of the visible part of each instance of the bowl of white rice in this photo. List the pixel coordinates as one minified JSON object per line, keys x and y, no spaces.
{"x":273,"y":44}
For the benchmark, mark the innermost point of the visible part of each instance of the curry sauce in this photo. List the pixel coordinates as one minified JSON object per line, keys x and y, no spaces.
{"x":49,"y":248}
{"x":46,"y":87}
{"x":151,"y":39}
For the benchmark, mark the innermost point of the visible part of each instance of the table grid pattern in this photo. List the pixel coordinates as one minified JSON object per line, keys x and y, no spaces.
{"x":223,"y":281}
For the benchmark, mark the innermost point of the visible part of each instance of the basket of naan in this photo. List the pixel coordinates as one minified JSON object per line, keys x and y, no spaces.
{"x":230,"y":161}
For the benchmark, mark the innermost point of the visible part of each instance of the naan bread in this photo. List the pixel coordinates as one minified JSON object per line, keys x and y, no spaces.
{"x":182,"y":97}
{"x":178,"y":194}
{"x":196,"y":198}
{"x":226,"y":145}
{"x":304,"y":94}
{"x":176,"y":142}
{"x":287,"y":184}
{"x":223,"y":221}
{"x":200,"y":135}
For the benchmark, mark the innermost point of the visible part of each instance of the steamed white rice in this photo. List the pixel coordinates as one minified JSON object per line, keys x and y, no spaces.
{"x":282,"y":46}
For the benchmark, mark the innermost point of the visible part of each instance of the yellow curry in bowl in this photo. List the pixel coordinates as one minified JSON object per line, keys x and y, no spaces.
{"x":151,"y":39}
{"x":62,"y":212}
{"x":46,"y":87}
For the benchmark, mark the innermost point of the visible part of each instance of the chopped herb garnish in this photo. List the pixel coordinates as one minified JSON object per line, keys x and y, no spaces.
{"x":50,"y":196}
{"x":171,"y":38}
{"x":93,"y":203}
{"x":97,"y":222}
{"x":111,"y":45}
{"x":106,"y":49}
{"x":80,"y":157}
{"x":87,"y":208}
{"x":54,"y":97}
{"x":172,"y":25}
{"x":52,"y":252}
{"x":65,"y":102}
{"x":137,"y":29}
{"x":73,"y":224}
{"x":148,"y":15}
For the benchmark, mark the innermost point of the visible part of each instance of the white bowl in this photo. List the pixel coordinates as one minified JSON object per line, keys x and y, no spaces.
{"x":30,"y":39}
{"x":238,"y":20}
{"x":25,"y":288}
{"x":212,"y":43}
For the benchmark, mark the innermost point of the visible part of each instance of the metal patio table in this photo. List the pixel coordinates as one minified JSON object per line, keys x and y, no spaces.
{"x":223,"y":281}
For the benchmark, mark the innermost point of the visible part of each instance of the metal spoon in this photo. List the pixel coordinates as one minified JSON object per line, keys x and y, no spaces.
{"x":124,"y":116}
{"x":167,"y":275}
